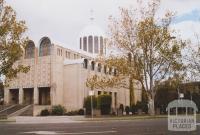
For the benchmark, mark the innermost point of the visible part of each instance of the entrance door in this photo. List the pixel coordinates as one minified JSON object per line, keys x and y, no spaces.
{"x":28,"y":95}
{"x":44,"y":96}
{"x":14,"y":96}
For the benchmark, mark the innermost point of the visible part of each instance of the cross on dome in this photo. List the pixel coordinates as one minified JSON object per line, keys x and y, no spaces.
{"x":92,"y":15}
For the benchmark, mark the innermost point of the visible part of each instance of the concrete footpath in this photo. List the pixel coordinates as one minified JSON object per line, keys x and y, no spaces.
{"x":48,"y":119}
{"x":73,"y":119}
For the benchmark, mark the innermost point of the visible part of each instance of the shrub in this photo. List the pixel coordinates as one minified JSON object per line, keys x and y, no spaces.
{"x":104,"y":104}
{"x":45,"y":112}
{"x":58,"y":110}
{"x":133,"y":109}
{"x":87,"y":104}
{"x":143,"y":106}
{"x":127,"y":109}
{"x":121,"y":107}
{"x":80,"y":112}
{"x":72,"y":113}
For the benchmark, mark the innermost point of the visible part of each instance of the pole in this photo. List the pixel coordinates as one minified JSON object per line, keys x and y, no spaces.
{"x":91,"y":107}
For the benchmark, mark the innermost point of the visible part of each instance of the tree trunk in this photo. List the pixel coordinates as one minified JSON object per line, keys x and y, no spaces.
{"x":132,"y":95}
{"x":151,"y":106}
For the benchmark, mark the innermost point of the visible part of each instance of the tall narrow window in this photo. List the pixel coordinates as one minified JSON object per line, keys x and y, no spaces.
{"x":80,"y":43}
{"x":30,"y":50}
{"x":92,"y":65}
{"x":90,"y":44}
{"x":99,"y":67}
{"x":85,"y":63}
{"x":45,"y":47}
{"x":85,"y":43}
{"x":96,"y":45}
{"x":115,"y":99}
{"x":101,"y":45}
{"x":99,"y":92}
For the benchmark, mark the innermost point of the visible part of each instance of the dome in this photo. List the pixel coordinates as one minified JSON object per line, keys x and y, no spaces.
{"x":92,"y":30}
{"x":92,"y":39}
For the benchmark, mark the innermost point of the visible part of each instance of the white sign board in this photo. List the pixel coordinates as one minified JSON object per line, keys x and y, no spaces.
{"x":91,"y":93}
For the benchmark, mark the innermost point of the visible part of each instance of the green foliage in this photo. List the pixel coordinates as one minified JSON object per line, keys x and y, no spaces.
{"x":72,"y":113}
{"x":1,"y":89}
{"x":133,"y":109}
{"x":194,"y":96}
{"x":143,"y":106}
{"x":127,"y":110}
{"x":87,"y":104}
{"x":80,"y":112}
{"x":153,"y":53}
{"x":58,"y":110}
{"x":76,"y":112}
{"x":104,"y":104}
{"x":121,"y":107}
{"x":166,"y":93}
{"x":145,"y":98}
{"x":45,"y":112}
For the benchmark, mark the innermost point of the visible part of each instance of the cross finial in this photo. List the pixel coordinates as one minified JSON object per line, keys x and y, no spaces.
{"x":91,"y":14}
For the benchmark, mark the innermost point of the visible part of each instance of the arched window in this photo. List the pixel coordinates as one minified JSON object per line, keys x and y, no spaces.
{"x":90,"y":44}
{"x":85,"y":43}
{"x":101,"y":45}
{"x":85,"y":63}
{"x":80,"y":43}
{"x":45,"y":47}
{"x":96,"y":44}
{"x":99,"y":67}
{"x":30,"y":50}
{"x":92,"y":65}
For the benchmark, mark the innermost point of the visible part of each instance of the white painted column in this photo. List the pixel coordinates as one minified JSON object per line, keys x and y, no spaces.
{"x":36,"y":96}
{"x":98,"y":45}
{"x":87,"y":50}
{"x":113,"y":100}
{"x":93,"y":45}
{"x":6,"y":96}
{"x":21,"y":95}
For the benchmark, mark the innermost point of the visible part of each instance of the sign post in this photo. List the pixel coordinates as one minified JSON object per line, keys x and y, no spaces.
{"x":91,"y":94}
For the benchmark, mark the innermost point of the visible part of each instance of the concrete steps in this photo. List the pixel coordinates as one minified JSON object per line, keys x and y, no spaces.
{"x":5,"y":107}
{"x":28,"y":112}
{"x":14,"y":110}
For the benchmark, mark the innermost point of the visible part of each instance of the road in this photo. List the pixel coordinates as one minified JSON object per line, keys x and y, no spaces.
{"x":132,"y":127}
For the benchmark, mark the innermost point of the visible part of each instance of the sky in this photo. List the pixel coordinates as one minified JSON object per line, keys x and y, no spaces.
{"x":63,"y":20}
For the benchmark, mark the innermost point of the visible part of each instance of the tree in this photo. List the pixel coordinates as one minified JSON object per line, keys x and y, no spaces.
{"x":154,"y":53}
{"x":1,"y":92}
{"x":119,"y":79}
{"x":12,"y":41}
{"x":192,"y":59}
{"x":166,"y":92}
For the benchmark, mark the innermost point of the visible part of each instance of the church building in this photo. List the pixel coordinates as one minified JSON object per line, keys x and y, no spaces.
{"x":58,"y":75}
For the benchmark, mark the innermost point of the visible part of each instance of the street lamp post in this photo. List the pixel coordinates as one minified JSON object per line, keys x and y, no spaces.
{"x":91,"y":94}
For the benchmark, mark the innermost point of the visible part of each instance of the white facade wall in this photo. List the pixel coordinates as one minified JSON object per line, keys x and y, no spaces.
{"x":66,"y":81}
